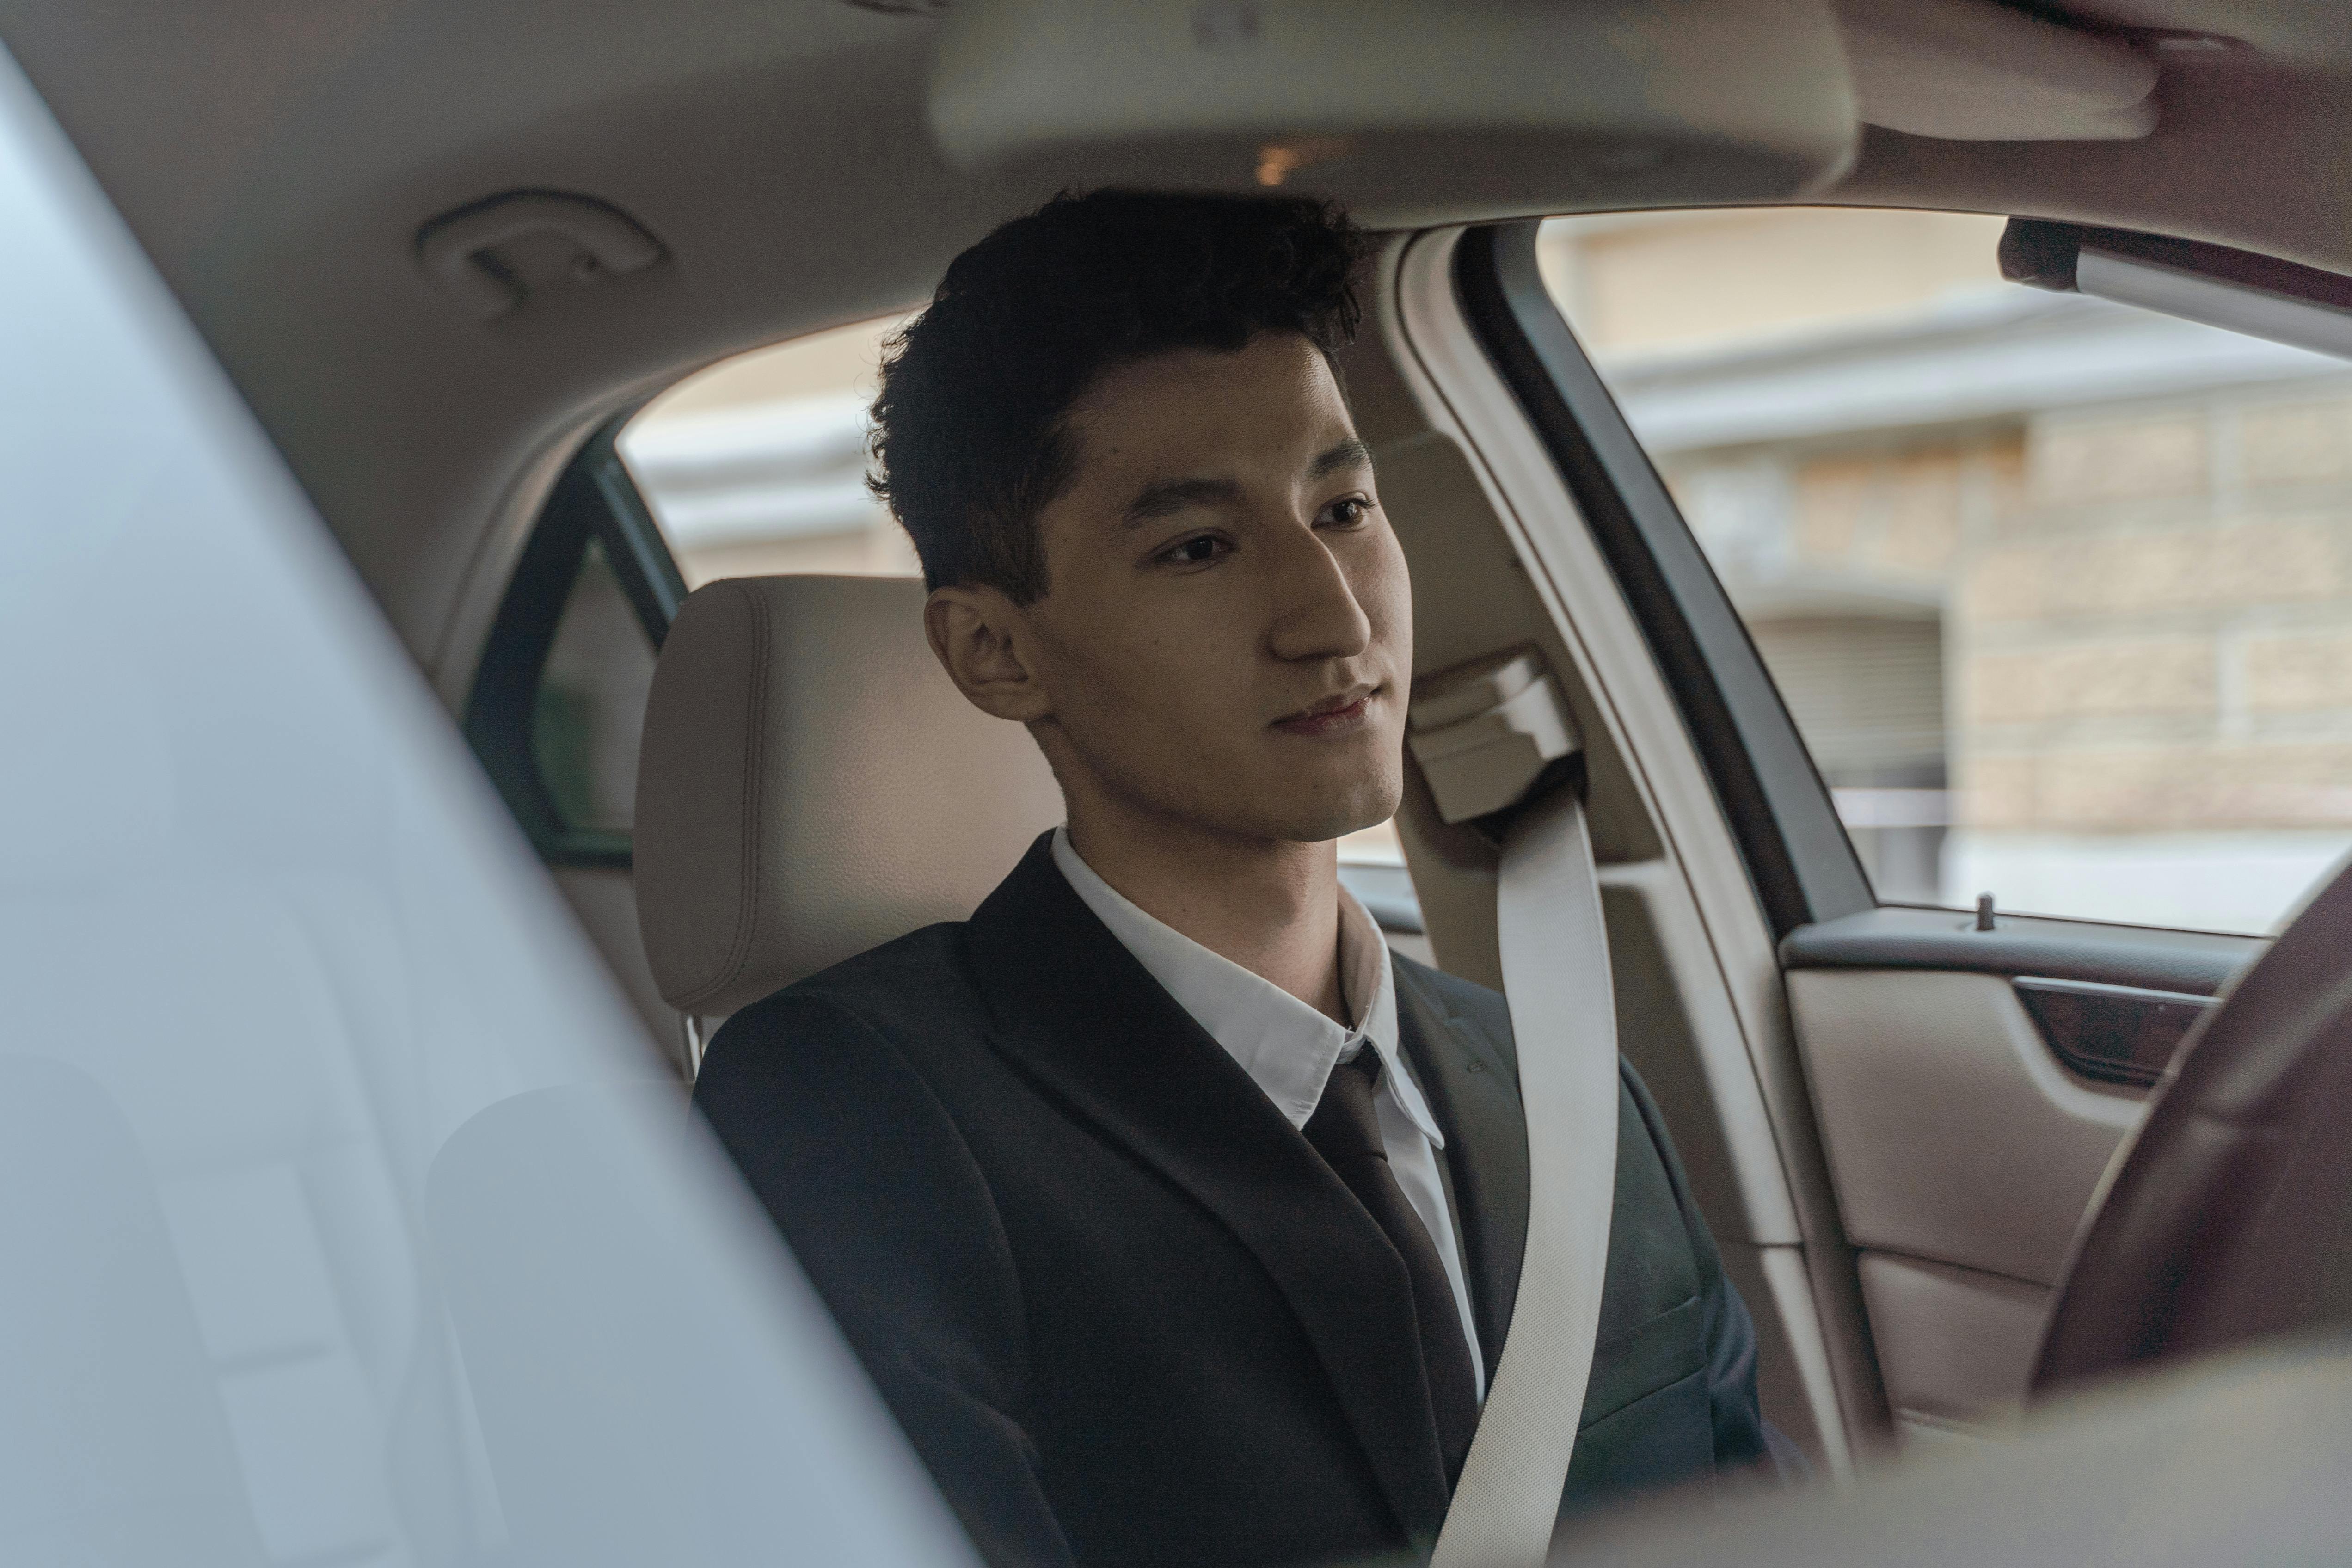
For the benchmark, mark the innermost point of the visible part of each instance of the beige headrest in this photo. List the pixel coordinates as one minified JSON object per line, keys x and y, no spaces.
{"x":811,"y":783}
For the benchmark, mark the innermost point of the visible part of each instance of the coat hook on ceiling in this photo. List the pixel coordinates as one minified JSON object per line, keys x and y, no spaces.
{"x":462,"y":250}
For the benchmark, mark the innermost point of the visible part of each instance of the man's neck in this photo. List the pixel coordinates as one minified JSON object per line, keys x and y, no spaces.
{"x":1270,"y":905}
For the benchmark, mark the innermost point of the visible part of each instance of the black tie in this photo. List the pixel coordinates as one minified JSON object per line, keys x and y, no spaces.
{"x":1345,"y":1131}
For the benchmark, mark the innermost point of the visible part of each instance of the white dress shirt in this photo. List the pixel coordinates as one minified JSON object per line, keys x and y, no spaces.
{"x":1289,"y":1048}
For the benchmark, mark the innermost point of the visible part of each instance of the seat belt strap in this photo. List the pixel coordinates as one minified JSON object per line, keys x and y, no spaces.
{"x":1485,"y":737}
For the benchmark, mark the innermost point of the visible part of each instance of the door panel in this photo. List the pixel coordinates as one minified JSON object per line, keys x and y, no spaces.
{"x":1953,"y":1135}
{"x":1964,"y":1157}
{"x":1954,"y":1345}
{"x":1963,"y":1149}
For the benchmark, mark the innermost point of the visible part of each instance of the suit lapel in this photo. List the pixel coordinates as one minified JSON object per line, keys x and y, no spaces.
{"x":1083,"y":1018}
{"x":1471,"y":1081}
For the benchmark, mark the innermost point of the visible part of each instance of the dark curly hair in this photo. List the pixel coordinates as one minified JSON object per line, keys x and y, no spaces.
{"x":969,"y":444}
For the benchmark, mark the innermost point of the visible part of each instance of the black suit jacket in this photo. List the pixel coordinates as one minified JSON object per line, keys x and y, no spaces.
{"x":1123,"y":1310}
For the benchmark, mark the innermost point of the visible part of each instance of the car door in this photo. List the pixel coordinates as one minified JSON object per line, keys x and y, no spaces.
{"x":1898,"y":585}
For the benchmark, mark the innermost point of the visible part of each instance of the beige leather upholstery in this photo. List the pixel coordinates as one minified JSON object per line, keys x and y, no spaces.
{"x":1927,"y":1084}
{"x":811,"y":783}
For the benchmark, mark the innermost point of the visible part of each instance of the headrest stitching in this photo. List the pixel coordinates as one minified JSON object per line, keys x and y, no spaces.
{"x":746,"y":892}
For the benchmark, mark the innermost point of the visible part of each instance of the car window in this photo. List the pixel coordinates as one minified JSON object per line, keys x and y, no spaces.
{"x":2058,"y":593}
{"x":558,"y":701}
{"x":591,"y":704}
{"x":756,"y":465}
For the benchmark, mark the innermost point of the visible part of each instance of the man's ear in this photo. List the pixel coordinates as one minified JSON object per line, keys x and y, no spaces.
{"x":982,"y":640}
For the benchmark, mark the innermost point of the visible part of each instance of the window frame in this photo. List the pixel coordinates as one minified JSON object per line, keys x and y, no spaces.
{"x":594,"y":500}
{"x":1799,"y":856}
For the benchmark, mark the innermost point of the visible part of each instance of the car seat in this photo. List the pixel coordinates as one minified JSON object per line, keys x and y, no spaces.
{"x":811,"y":783}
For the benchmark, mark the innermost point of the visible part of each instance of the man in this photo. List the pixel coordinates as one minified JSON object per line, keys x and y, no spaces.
{"x":1177,"y":1220}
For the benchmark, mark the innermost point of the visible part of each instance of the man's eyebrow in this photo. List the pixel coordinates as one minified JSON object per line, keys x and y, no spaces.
{"x":1165,"y":496}
{"x":1349,"y":454}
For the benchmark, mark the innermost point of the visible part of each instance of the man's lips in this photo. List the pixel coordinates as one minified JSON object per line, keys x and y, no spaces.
{"x":1341,"y":710}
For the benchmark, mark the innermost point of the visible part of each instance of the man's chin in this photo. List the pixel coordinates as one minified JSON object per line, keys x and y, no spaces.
{"x":1258,"y":800}
{"x":1320,"y":822}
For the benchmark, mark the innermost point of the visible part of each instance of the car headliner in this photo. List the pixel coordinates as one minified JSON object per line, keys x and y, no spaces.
{"x":276,"y":157}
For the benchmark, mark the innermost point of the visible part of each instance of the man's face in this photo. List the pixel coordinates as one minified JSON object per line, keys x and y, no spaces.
{"x":1226,"y":639}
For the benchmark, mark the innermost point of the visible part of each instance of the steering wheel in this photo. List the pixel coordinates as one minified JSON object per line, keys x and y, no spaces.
{"x":2229,"y":1216}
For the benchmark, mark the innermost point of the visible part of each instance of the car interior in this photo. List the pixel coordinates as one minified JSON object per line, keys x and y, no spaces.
{"x":477,"y":270}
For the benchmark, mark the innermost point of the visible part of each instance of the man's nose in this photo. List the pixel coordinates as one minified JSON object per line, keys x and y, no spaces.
{"x":1316,"y":615}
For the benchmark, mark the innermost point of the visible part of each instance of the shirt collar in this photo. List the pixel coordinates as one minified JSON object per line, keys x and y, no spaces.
{"x":1288,"y":1048}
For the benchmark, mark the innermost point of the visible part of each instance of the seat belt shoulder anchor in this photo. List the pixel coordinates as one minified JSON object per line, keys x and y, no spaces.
{"x":1485,"y":733}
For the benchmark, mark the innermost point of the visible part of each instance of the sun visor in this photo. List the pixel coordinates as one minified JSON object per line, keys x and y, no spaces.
{"x":1971,"y":71}
{"x":1409,"y":112}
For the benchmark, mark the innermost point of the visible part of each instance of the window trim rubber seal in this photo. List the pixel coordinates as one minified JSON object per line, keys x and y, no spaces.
{"x":1799,"y":856}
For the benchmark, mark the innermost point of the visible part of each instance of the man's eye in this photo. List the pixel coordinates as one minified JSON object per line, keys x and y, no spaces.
{"x":1347,"y":511}
{"x":1193,"y":551}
